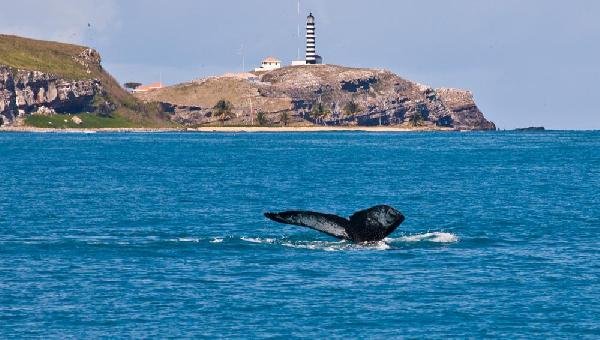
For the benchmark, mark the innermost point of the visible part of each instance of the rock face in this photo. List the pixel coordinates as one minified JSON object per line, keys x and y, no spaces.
{"x":40,"y":77}
{"x":25,"y":92}
{"x":325,"y":95}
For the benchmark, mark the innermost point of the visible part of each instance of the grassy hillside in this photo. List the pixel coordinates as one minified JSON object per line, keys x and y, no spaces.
{"x":88,"y":121}
{"x":208,"y":92}
{"x":58,"y":59}
{"x":45,"y":56}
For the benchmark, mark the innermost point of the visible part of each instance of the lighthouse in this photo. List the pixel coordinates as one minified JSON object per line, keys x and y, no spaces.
{"x":311,"y":51}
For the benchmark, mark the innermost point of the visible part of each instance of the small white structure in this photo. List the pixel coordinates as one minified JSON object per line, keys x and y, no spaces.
{"x":269,"y":64}
{"x":298,"y":62}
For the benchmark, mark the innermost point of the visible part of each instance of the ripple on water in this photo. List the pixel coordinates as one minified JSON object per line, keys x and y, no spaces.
{"x":386,"y":244}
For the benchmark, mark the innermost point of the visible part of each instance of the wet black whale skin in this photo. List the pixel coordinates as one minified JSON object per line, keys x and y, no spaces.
{"x":369,"y":225}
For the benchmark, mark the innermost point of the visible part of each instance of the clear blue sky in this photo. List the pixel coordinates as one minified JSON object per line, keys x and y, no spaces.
{"x":533,"y":62}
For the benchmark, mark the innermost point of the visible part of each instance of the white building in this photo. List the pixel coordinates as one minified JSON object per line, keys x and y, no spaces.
{"x":269,"y":64}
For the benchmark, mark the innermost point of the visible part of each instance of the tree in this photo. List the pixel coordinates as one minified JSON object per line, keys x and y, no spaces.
{"x":415,"y":119}
{"x":223,"y":110}
{"x":261,"y":118}
{"x":419,"y":115}
{"x":285,"y":118}
{"x":351,"y":108}
{"x":132,"y":85}
{"x":319,"y":111}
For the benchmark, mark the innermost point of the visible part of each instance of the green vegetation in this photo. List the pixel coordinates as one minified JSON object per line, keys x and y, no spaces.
{"x":223,"y":106}
{"x":419,"y":115}
{"x":415,"y":119}
{"x":319,"y":111}
{"x":223,"y":110}
{"x":88,"y":121}
{"x":351,"y":108}
{"x":285,"y":118}
{"x":58,"y":59}
{"x":44,"y":56}
{"x":261,"y":118}
{"x":132,"y":85}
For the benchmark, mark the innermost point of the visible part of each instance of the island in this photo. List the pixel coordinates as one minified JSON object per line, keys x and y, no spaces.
{"x":52,"y":85}
{"x":531,"y":129}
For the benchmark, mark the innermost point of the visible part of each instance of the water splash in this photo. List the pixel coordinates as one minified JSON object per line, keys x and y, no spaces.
{"x":386,"y":244}
{"x":187,"y":239}
{"x":336,"y":246}
{"x":434,"y":237}
{"x":258,"y":240}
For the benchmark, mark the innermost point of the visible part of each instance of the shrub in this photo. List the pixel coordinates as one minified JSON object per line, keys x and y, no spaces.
{"x":415,"y":119}
{"x":319,"y":111}
{"x":132,"y":85}
{"x":351,"y":108}
{"x":261,"y":118}
{"x":223,"y":106}
{"x":223,"y":110}
{"x":285,"y":118}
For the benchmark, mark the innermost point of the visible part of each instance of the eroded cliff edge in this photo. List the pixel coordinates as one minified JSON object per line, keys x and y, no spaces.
{"x":320,"y":95}
{"x":45,"y":78}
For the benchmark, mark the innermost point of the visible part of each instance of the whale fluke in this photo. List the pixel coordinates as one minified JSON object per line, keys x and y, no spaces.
{"x":368,"y":225}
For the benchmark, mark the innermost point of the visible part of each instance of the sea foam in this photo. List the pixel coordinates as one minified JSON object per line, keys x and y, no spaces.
{"x":435,"y":237}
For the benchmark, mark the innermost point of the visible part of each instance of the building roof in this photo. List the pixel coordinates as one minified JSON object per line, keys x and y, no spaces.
{"x":152,"y":86}
{"x":271,"y":60}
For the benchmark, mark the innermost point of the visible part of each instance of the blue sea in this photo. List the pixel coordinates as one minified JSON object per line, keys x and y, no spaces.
{"x":162,"y":235}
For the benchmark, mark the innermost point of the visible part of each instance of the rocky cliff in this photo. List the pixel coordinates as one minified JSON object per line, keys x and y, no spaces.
{"x":24,"y":92}
{"x":324,"y":95}
{"x":47,"y":78}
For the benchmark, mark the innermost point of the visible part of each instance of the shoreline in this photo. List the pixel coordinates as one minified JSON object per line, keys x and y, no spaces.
{"x":230,"y":129}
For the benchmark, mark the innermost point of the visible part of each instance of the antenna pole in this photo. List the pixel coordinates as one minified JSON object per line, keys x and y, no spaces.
{"x":251,"y":112}
{"x":243,"y":58}
{"x":298,"y":40}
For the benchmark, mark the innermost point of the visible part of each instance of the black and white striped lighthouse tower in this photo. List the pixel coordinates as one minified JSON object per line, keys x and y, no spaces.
{"x":311,"y":53}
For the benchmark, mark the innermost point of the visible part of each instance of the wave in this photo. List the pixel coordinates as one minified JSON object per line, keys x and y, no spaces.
{"x":258,"y":240}
{"x":321,"y":245}
{"x":336,"y":246}
{"x":435,"y":237}
{"x":386,"y":244}
{"x":186,"y":239}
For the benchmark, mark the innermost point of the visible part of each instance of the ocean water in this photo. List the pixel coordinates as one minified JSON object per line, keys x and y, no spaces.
{"x":162,"y":235}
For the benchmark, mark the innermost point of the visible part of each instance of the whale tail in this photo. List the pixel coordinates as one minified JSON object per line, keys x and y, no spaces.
{"x":373,"y":224}
{"x":275,"y":217}
{"x":329,"y":224}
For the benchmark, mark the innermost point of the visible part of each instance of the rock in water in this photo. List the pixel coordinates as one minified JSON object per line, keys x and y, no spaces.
{"x":532,"y":128}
